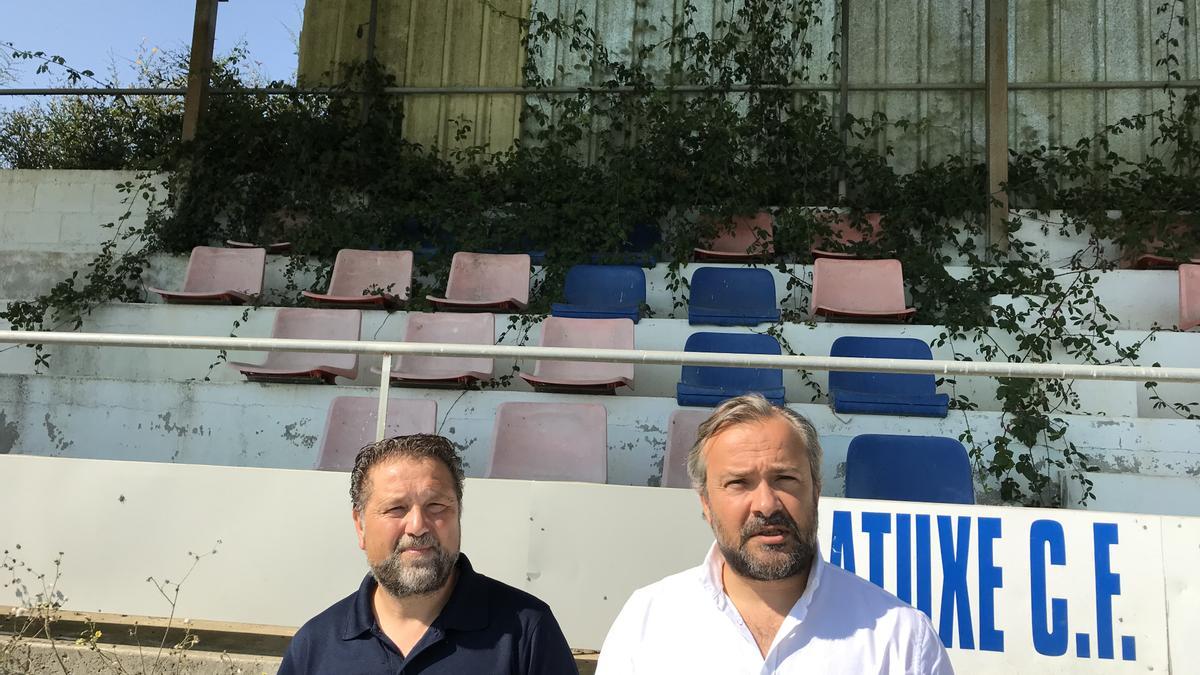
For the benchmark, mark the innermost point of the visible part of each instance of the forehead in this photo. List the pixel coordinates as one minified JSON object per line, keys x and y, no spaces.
{"x":773,"y":441}
{"x":397,"y":476}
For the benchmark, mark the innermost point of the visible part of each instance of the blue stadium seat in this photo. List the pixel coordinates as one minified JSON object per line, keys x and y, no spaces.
{"x":737,"y":296}
{"x":884,"y":393}
{"x":603,"y":292}
{"x":909,"y":469}
{"x":709,"y":385}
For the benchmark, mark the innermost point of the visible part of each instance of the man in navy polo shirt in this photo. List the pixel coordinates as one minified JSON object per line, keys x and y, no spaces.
{"x":423,"y":608}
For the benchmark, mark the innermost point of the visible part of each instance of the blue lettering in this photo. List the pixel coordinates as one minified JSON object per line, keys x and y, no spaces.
{"x":924,"y":565}
{"x":1049,"y":636}
{"x":1108,"y":584}
{"x":876,"y":525}
{"x":904,"y":557}
{"x":841,"y":548}
{"x":955,"y":599}
{"x":991,"y":577}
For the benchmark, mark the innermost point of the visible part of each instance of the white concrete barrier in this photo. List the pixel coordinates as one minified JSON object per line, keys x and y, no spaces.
{"x":1009,"y":590}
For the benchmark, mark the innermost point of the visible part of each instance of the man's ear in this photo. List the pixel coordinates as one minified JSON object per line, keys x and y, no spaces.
{"x":703,"y":494}
{"x":358,"y":528}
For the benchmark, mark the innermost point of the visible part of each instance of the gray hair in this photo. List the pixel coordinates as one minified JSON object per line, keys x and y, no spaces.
{"x":743,"y":410}
{"x":416,"y":446}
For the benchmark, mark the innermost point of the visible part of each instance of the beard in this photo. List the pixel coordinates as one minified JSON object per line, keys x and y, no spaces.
{"x":792,"y":556}
{"x":425,"y":575}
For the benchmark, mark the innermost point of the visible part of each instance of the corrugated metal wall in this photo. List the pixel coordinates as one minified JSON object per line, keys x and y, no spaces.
{"x":428,"y":43}
{"x":467,"y":42}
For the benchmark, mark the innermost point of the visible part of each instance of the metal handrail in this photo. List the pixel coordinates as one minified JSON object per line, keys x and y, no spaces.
{"x":592,"y":89}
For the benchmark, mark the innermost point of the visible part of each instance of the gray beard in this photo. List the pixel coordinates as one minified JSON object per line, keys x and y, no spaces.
{"x":791,"y":557}
{"x":402,"y":579}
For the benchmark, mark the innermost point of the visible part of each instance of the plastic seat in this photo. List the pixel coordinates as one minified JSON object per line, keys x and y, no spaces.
{"x":446,"y":328}
{"x":486,"y":282}
{"x":1189,"y":296}
{"x":550,"y":441}
{"x":350,"y":425}
{"x":846,"y":232}
{"x":751,"y":238}
{"x":223,"y":276}
{"x":732,"y":297}
{"x":859,"y":290}
{"x":603,"y":292}
{"x":308,"y":367}
{"x":884,"y":393}
{"x":368,"y":279}
{"x":583,"y":377}
{"x":909,"y":468}
{"x":682,"y":431}
{"x":709,"y":385}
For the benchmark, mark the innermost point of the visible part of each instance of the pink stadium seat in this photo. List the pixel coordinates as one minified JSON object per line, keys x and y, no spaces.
{"x":751,"y":238}
{"x":583,"y":376}
{"x":550,"y":441}
{"x":446,"y":328}
{"x":308,"y":367}
{"x":486,"y":282}
{"x":1189,"y":296}
{"x":222,"y":276}
{"x":681,"y":436}
{"x":350,"y":425}
{"x":859,"y":290}
{"x":356,"y":273}
{"x":845,"y":232}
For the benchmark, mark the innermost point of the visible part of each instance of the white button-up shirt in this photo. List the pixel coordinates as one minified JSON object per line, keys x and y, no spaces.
{"x":841,"y":624}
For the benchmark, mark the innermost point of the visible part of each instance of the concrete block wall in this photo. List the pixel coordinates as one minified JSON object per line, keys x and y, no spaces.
{"x":63,"y":210}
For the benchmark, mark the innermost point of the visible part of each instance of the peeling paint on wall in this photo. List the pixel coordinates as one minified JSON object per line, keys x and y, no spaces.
{"x":290,"y":433}
{"x":8,"y":434}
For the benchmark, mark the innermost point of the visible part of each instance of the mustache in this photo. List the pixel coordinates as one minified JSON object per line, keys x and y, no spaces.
{"x":779,"y":520}
{"x":408,"y":541}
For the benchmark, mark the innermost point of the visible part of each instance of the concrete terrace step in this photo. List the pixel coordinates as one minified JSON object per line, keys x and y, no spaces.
{"x":1117,"y":399}
{"x":280,"y":426}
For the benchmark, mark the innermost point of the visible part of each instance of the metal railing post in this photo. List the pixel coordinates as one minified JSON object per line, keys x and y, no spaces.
{"x":385,"y":377}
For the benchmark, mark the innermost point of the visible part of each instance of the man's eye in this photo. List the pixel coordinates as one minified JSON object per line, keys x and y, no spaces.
{"x":436,"y":508}
{"x":737,"y":482}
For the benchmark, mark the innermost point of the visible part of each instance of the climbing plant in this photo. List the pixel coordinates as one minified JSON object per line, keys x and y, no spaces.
{"x":666,"y":144}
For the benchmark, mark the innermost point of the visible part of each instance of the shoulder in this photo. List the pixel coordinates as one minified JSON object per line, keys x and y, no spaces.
{"x":674,"y":594}
{"x":871,"y":607}
{"x":329,"y":624}
{"x":505,"y":597}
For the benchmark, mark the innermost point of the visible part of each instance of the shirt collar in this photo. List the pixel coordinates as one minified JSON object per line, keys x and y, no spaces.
{"x":714,"y":563}
{"x":466,"y":610}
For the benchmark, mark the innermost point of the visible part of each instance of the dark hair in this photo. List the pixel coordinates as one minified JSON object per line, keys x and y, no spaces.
{"x":416,"y":446}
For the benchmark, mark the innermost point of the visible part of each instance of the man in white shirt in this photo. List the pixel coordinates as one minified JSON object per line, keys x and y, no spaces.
{"x":764,"y":601}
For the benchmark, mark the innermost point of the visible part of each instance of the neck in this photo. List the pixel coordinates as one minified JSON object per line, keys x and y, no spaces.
{"x":413,"y":608}
{"x":779,"y":596}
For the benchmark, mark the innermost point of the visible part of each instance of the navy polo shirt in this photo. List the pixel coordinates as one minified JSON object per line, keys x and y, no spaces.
{"x":485,"y":627}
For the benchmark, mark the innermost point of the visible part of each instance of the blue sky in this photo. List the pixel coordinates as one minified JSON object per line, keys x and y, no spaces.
{"x":99,"y":34}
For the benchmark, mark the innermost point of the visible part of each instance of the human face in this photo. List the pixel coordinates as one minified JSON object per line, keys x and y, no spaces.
{"x":760,"y":499}
{"x":410,"y":526}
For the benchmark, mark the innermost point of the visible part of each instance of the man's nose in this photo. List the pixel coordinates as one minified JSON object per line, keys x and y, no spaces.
{"x":765,"y":500}
{"x":416,"y":522}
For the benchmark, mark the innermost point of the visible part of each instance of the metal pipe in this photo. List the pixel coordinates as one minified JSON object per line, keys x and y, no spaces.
{"x":1055,"y":371}
{"x":559,"y":91}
